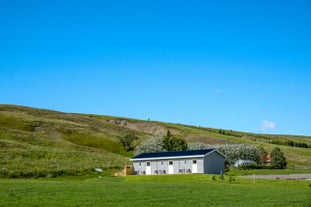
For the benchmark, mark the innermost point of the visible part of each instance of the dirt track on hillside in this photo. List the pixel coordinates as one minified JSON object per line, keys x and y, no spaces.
{"x":145,"y":127}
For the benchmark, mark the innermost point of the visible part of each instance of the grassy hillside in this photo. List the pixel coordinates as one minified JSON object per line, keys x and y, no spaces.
{"x":39,"y":143}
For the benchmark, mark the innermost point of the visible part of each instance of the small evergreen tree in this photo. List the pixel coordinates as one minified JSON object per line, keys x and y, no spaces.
{"x":174,"y":143}
{"x":168,"y":134}
{"x":277,"y":158}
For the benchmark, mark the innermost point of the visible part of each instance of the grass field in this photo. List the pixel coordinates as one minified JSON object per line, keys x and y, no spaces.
{"x":163,"y":190}
{"x":48,"y":146}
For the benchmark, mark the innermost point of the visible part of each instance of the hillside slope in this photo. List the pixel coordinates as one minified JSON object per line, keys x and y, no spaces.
{"x":37,"y":142}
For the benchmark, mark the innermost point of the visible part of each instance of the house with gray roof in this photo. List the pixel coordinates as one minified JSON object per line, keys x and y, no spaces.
{"x":206,"y":161}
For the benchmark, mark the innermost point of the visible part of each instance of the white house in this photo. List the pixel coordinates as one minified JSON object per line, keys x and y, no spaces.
{"x":207,"y":161}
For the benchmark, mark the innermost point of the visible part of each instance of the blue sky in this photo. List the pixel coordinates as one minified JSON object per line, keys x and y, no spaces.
{"x":240,"y":65}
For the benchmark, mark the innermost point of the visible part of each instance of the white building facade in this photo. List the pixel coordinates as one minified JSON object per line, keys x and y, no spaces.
{"x":207,"y":161}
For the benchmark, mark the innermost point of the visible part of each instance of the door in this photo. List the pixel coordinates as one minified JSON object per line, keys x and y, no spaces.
{"x":170,"y":167}
{"x":194,"y":166}
{"x":148,"y":168}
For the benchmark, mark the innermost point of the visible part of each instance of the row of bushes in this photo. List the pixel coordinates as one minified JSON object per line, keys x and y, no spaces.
{"x":291,"y":143}
{"x":5,"y":173}
{"x":259,"y":167}
{"x":266,"y":137}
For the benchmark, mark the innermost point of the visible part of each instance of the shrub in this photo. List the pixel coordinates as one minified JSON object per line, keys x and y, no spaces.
{"x":152,"y":145}
{"x":129,"y":141}
{"x":160,"y":144}
{"x":231,"y":179}
{"x":236,"y":152}
{"x":277,"y":158}
{"x":291,"y":143}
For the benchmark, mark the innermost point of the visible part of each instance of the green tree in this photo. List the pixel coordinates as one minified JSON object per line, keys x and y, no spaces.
{"x":174,"y":143}
{"x":129,"y":141}
{"x":277,"y":158}
{"x":168,"y":134}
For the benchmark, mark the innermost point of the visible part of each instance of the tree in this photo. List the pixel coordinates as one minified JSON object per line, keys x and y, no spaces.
{"x":235,"y":152}
{"x":174,"y":143}
{"x":277,"y":158}
{"x":159,"y":144}
{"x":154,"y":144}
{"x":168,"y":134}
{"x":129,"y":141}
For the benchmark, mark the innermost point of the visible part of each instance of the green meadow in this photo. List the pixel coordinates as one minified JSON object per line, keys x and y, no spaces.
{"x":47,"y":158}
{"x":39,"y":143}
{"x":160,"y":190}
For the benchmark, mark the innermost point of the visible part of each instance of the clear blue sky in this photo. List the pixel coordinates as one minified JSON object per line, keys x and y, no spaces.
{"x":240,"y":65}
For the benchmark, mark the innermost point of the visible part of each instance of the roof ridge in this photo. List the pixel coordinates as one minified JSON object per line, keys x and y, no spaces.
{"x":181,"y":153}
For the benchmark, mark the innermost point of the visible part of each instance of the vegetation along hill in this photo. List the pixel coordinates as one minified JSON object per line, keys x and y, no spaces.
{"x":45,"y":143}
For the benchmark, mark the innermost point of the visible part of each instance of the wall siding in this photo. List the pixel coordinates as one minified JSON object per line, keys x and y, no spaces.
{"x":214,"y":163}
{"x":210,"y":164}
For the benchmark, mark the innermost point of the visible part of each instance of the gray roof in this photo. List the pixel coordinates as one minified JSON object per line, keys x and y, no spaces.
{"x":184,"y":153}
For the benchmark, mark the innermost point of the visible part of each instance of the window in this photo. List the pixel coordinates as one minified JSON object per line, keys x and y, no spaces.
{"x":148,"y":163}
{"x":185,"y":161}
{"x":194,"y":162}
{"x":139,"y":163}
{"x":161,"y":162}
{"x":170,"y":163}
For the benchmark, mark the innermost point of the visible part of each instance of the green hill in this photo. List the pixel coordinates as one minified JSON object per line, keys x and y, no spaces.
{"x":45,"y":143}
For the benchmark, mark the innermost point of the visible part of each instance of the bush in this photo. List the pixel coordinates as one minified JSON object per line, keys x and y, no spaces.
{"x":152,"y":145}
{"x":277,"y":158}
{"x":231,"y":179}
{"x":236,"y":152}
{"x":257,"y":167}
{"x":129,"y":141}
{"x":291,"y":143}
{"x":160,"y":144}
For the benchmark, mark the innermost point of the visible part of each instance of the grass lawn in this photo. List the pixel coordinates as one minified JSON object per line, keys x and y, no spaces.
{"x":161,"y":190}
